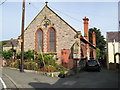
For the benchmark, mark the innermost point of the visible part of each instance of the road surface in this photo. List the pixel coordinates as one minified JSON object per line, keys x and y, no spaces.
{"x":104,"y":79}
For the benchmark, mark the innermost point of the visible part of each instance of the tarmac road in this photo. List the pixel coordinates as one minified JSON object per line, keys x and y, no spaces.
{"x":104,"y":79}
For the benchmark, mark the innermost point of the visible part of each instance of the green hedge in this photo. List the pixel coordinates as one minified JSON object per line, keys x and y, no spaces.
{"x":26,"y":65}
{"x":7,"y":54}
{"x":27,"y":54}
{"x":37,"y":64}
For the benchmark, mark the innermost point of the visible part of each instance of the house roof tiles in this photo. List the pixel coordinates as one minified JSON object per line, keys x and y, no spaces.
{"x":113,"y":35}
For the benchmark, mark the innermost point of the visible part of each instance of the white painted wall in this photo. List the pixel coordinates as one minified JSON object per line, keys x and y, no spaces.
{"x":111,"y":53}
{"x":8,"y":48}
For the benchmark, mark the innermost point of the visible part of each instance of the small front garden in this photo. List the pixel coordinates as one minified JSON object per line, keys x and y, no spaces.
{"x":34,"y":61}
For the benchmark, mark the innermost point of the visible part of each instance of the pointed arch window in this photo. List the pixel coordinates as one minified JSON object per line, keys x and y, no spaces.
{"x":51,"y":40}
{"x":39,"y":40}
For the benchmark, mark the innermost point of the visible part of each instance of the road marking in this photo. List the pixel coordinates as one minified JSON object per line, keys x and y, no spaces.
{"x":11,"y":80}
{"x":4,"y":85}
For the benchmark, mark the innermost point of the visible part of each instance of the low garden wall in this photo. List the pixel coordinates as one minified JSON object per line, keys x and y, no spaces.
{"x":50,"y":74}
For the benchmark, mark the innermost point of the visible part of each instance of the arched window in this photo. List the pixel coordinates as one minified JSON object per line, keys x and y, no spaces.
{"x":39,"y":40}
{"x":52,"y":40}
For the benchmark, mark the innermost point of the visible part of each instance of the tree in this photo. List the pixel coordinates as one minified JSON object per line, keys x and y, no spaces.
{"x":27,"y":54}
{"x":97,"y":53}
{"x":100,"y":40}
{"x":1,"y":47}
{"x":7,"y":54}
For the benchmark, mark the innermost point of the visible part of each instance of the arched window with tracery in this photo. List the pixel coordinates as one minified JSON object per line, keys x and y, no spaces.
{"x":51,"y":39}
{"x":39,"y":40}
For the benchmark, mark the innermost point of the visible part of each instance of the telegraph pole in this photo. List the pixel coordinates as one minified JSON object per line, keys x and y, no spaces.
{"x":22,"y":37}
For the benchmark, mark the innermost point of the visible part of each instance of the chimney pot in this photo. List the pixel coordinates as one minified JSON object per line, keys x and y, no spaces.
{"x":86,"y":33}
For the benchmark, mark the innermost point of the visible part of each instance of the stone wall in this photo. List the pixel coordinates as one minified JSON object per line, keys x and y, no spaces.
{"x":65,"y":33}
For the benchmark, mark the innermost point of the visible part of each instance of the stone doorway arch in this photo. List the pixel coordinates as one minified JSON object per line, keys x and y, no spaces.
{"x":115,"y":60}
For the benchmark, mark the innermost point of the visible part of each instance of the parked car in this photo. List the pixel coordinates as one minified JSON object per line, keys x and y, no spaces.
{"x":93,"y":65}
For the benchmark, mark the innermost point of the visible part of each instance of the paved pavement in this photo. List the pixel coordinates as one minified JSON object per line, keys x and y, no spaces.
{"x":103,"y":79}
{"x":1,"y":86}
{"x":8,"y":82}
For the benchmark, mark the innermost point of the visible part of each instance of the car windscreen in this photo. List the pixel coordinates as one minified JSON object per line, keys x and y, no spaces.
{"x":94,"y":62}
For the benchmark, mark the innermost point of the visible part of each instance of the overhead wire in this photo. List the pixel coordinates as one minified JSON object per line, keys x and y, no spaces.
{"x":3,"y":2}
{"x":73,"y":18}
{"x":33,"y":6}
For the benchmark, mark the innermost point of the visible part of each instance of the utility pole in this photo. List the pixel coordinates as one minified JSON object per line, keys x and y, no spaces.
{"x":22,"y":37}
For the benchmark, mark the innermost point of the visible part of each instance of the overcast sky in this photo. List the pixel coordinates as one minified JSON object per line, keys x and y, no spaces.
{"x":103,"y":15}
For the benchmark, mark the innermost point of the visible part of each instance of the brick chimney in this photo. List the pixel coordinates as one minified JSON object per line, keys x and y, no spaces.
{"x":94,"y":43}
{"x":94,"y":39}
{"x":86,"y":33}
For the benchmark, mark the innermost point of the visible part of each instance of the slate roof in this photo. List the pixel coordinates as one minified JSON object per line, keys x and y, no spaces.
{"x":113,"y":35}
{"x":86,"y":41}
{"x":55,"y":14}
{"x":9,"y":43}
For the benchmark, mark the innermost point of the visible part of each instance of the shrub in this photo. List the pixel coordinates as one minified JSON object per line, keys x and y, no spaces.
{"x":15,"y":64}
{"x":43,"y":69}
{"x":38,"y":57}
{"x":48,"y":59}
{"x":37,"y":64}
{"x":8,"y":62}
{"x":60,"y":67}
{"x":62,"y":74}
{"x":12,"y":64}
{"x":54,"y":75}
{"x":27,"y":54}
{"x":7,"y":54}
{"x":25,"y":65}
{"x":33,"y":65}
{"x":51,"y":68}
{"x":50,"y":75}
{"x":18,"y":55}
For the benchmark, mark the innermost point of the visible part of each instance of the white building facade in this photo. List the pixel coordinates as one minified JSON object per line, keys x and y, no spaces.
{"x":113,"y":46}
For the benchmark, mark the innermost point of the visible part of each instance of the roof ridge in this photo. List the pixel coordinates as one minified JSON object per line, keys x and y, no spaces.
{"x":62,"y":19}
{"x":54,"y":13}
